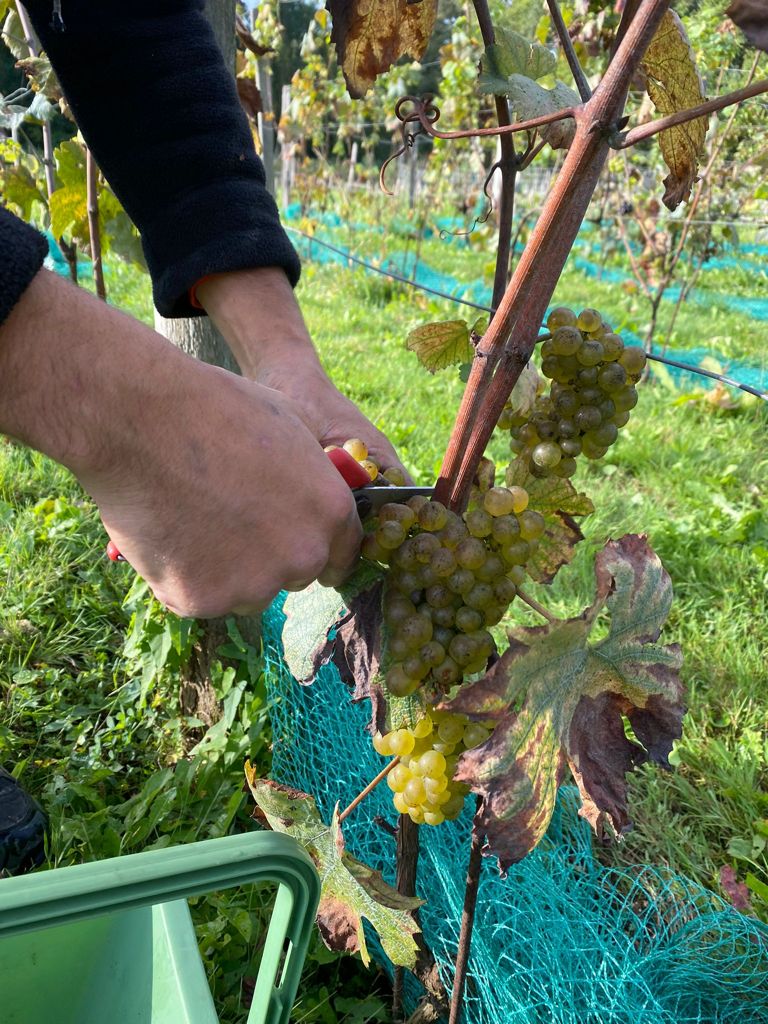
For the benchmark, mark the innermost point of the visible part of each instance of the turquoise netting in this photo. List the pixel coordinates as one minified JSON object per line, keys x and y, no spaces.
{"x":563,"y":939}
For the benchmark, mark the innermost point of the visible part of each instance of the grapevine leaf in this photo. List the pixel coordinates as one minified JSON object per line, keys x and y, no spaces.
{"x":752,"y":18}
{"x":371,"y":36}
{"x":512,"y":54}
{"x":558,"y":501}
{"x":13,"y":35}
{"x":442,"y":344}
{"x":351,"y":890}
{"x":674,"y":83}
{"x":557,"y":699}
{"x":314,"y":614}
{"x":530,"y":100}
{"x":41,"y":76}
{"x":524,"y":393}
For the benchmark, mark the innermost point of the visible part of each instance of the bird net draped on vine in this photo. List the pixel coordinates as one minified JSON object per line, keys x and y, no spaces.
{"x":562,"y":939}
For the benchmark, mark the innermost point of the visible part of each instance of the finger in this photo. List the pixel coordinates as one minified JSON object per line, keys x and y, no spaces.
{"x":345,"y":552}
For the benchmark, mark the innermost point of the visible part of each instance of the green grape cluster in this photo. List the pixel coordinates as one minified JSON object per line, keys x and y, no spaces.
{"x":593,"y":390}
{"x":450,"y":579}
{"x":422,"y":783}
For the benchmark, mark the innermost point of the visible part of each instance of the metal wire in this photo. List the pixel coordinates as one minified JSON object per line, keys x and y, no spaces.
{"x":688,"y":367}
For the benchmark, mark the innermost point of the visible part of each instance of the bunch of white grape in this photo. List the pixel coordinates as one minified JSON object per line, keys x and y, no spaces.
{"x":422,"y":782}
{"x":450,"y":579}
{"x":593,"y":378}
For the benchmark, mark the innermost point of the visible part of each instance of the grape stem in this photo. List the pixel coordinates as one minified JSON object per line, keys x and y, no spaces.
{"x":533,"y":603}
{"x":369,"y":788}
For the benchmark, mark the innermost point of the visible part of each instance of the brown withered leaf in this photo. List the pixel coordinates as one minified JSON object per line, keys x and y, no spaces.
{"x":558,"y":501}
{"x":372,"y":35}
{"x":674,"y":84}
{"x":250,"y":97}
{"x":752,"y":18}
{"x":558,"y":699}
{"x":351,"y":891}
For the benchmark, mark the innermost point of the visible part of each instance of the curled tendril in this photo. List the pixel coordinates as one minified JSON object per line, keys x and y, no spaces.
{"x":423,"y":110}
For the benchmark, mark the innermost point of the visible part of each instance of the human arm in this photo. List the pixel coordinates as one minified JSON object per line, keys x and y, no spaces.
{"x":211,"y":486}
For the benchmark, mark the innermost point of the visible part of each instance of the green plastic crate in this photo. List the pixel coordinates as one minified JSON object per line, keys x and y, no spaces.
{"x":113,"y":941}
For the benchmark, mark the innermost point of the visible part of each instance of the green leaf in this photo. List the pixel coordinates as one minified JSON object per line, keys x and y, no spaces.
{"x":351,"y":891}
{"x":512,"y":54}
{"x":759,"y":888}
{"x":558,"y":501}
{"x":441,"y":344}
{"x":558,"y":699}
{"x":740,"y":848}
{"x":13,"y":34}
{"x":674,"y":83}
{"x":530,"y":100}
{"x":68,"y":204}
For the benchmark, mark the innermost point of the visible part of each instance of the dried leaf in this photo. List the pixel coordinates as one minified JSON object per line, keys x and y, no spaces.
{"x":372,"y":35}
{"x":524,"y":393}
{"x":512,"y":54}
{"x":41,"y":76}
{"x":558,"y":501}
{"x":246,"y":39}
{"x":752,"y":18}
{"x":559,"y":699}
{"x":674,"y":83}
{"x":351,"y":891}
{"x":441,"y":344}
{"x":249,"y":96}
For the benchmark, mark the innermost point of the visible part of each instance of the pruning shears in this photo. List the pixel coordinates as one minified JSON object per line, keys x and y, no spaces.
{"x":369,"y":497}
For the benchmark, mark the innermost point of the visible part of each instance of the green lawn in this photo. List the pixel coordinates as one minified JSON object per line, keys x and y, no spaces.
{"x":89,"y":678}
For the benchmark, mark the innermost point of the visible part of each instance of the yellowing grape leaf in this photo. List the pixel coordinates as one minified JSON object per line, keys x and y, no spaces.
{"x":512,"y":54}
{"x":351,"y":891}
{"x":558,"y":501}
{"x":674,"y":83}
{"x":442,"y":344}
{"x":372,"y":35}
{"x":752,"y":18}
{"x":559,"y":699}
{"x":528,"y":100}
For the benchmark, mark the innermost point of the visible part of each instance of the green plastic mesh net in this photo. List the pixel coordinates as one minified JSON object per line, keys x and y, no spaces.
{"x":562,"y":939}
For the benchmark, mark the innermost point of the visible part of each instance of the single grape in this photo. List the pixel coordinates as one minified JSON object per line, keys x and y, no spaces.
{"x":439,"y":596}
{"x":519,"y":498}
{"x":453,"y":808}
{"x":566,"y":403}
{"x":424,"y":547}
{"x":414,"y":792}
{"x":462,"y":649}
{"x":399,"y":684}
{"x":546,"y":428}
{"x":561,"y":316}
{"x":381,"y":744}
{"x":551,"y":367}
{"x":480,"y":596}
{"x":468,"y":619}
{"x":516,"y":553}
{"x":432,"y":654}
{"x":370,"y":468}
{"x":416,"y":815}
{"x":587,"y":418}
{"x":589,"y":320}
{"x":398,"y":648}
{"x":415,"y":630}
{"x":447,"y":673}
{"x":591,"y":395}
{"x":593,"y":451}
{"x":547,"y":454}
{"x":621,"y":419}
{"x":546,"y":349}
{"x":401,"y":742}
{"x":474,"y":735}
{"x":399,"y":778}
{"x":494,"y":613}
{"x":461,"y":581}
{"x":587,"y":376}
{"x":505,"y":529}
{"x":625,"y":400}
{"x":443,"y":616}
{"x":397,"y":608}
{"x":590,"y":353}
{"x":532,"y":524}
{"x":442,"y":635}
{"x":451,"y":728}
{"x":606,"y":408}
{"x":415,"y":668}
{"x":612,"y":377}
{"x":479,"y":522}
{"x":443,"y":563}
{"x":426,"y":576}
{"x":602,"y":436}
{"x":372,"y":550}
{"x":423,"y":727}
{"x":565,"y":468}
{"x":633,"y":359}
{"x":390,"y":535}
{"x":435,"y":784}
{"x":433,"y":516}
{"x":433,"y":763}
{"x":528,"y":434}
{"x":401,"y":804}
{"x":505,"y":420}
{"x":406,"y":582}
{"x":505,"y":591}
{"x":396,"y":476}
{"x":570,"y":447}
{"x":517,"y":574}
{"x":516,"y":446}
{"x":491,"y":568}
{"x":356,"y":448}
{"x":613,"y":346}
{"x":566,"y":428}
{"x":394,"y":512}
{"x":433,"y":817}
{"x":416,"y":502}
{"x":566,"y":341}
{"x":470,"y":554}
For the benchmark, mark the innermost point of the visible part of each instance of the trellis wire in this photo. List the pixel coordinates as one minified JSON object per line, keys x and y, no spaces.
{"x":689,"y":368}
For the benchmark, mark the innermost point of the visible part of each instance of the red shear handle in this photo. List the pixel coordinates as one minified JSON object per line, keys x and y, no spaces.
{"x":353,"y":473}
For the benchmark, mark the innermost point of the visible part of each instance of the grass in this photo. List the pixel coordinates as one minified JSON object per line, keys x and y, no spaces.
{"x":89,"y":678}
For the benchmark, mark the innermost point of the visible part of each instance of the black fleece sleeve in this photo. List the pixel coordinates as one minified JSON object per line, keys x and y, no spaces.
{"x":156,"y":104}
{"x":22,"y":251}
